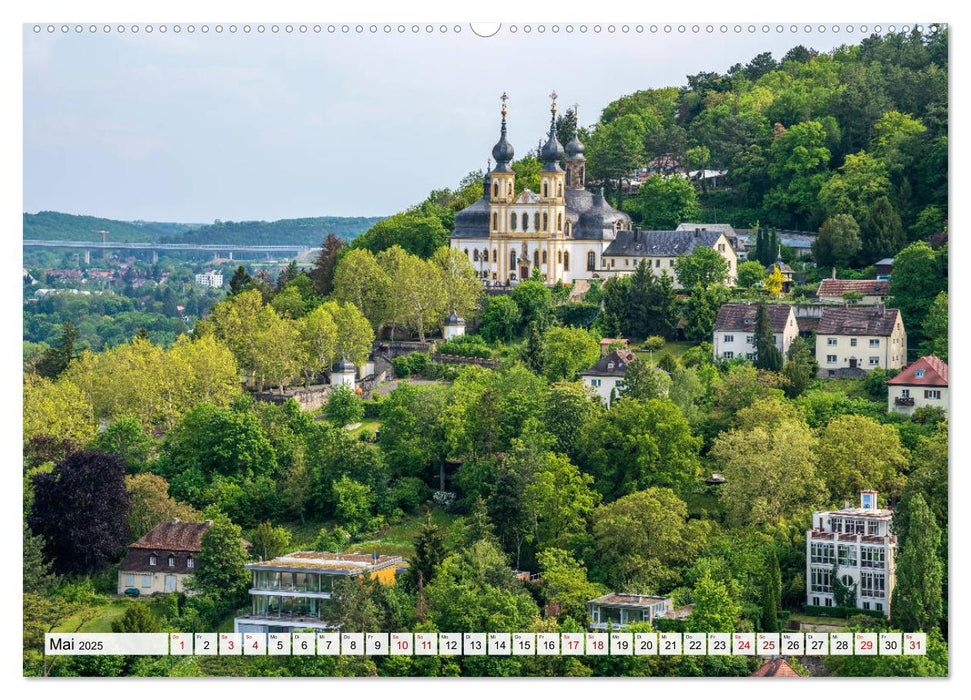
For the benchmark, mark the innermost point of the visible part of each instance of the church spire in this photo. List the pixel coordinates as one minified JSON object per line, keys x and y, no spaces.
{"x":503,"y":151}
{"x":553,"y":150}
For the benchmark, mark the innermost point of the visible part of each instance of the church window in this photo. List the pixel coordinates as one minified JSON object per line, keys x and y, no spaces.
{"x":512,"y":258}
{"x":559,"y":189}
{"x":525,"y":222}
{"x":591,"y":260}
{"x":559,"y":257}
{"x":569,"y":229}
{"x":495,"y":189}
{"x":581,"y":177}
{"x":495,"y":221}
{"x":544,"y":257}
{"x":536,"y":221}
{"x":546,"y":189}
{"x":559,"y":222}
{"x":475,"y":254}
{"x":545,"y":221}
{"x":466,"y":252}
{"x":566,"y":260}
{"x":536,"y":258}
{"x":495,"y":255}
{"x":512,"y":221}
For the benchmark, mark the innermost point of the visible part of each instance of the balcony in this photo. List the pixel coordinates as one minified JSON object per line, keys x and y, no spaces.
{"x":903,"y":401}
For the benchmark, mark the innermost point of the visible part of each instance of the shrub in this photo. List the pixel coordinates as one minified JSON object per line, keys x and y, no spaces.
{"x":466,"y":346}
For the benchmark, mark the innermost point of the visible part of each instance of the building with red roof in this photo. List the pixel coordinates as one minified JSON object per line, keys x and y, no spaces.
{"x":921,"y":383}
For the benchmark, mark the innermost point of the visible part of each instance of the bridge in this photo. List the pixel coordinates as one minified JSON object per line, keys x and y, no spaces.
{"x":215,"y":249}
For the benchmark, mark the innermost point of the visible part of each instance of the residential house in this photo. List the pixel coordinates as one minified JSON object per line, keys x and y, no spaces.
{"x":873,"y":291}
{"x":296,"y":591}
{"x":857,"y":546}
{"x":606,"y":377}
{"x":661,"y":248}
{"x":210,"y":278}
{"x":160,"y":561}
{"x":617,"y":610}
{"x":850,"y":340}
{"x":884,"y":268}
{"x":734,"y":334}
{"x":922,"y":383}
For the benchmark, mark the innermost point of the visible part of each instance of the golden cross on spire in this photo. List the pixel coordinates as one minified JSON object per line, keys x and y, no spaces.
{"x":553,"y":97}
{"x":504,"y":97}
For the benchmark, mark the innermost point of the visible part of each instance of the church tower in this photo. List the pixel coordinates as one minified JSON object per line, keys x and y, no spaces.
{"x":552,"y":177}
{"x":576,"y":162}
{"x":502,"y":179}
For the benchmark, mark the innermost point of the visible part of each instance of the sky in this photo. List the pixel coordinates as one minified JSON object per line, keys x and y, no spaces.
{"x":192,"y":128}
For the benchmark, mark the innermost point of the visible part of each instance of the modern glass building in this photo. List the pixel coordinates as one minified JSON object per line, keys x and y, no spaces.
{"x":296,"y":591}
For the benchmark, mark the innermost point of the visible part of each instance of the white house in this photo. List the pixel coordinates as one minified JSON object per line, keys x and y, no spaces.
{"x":850,"y":340}
{"x":661,"y":248}
{"x":923,"y":383}
{"x":873,"y":291}
{"x":857,"y":546}
{"x":606,"y":377}
{"x":210,"y":278}
{"x":617,"y":610}
{"x":734,"y":334}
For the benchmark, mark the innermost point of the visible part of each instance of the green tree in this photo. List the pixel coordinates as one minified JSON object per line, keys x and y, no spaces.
{"x":651,"y":305}
{"x":270,"y":542}
{"x":715,"y":610}
{"x":462,"y":287}
{"x":56,"y":358}
{"x":500,"y":319}
{"x":881,"y":231}
{"x":771,"y":594}
{"x":838,"y":242}
{"x":137,"y":618}
{"x":151,"y":504}
{"x":935,"y":328}
{"x":565,"y":585}
{"x":662,"y":203}
{"x":568,"y":407}
{"x":750,"y":274}
{"x":344,"y":407}
{"x":774,"y":282}
{"x":860,"y":181}
{"x":352,"y":503}
{"x":917,"y":601}
{"x":128,"y":439}
{"x":430,"y":552}
{"x":638,"y":444}
{"x":560,"y":499}
{"x":770,"y":472}
{"x":57,"y":410}
{"x":38,"y":577}
{"x":919,"y":275}
{"x":535,"y":303}
{"x":767,"y":354}
{"x":701,"y":311}
{"x":798,"y":160}
{"x":220,"y":574}
{"x":702,"y":266}
{"x":645,"y":381}
{"x":325,"y":265}
{"x":860,"y":453}
{"x":318,"y":340}
{"x":240,"y":281}
{"x":615,"y":150}
{"x":360,"y":280}
{"x":642,"y":539}
{"x":417,"y":232}
{"x":566,"y":352}
{"x":533,"y":353}
{"x":800,"y":368}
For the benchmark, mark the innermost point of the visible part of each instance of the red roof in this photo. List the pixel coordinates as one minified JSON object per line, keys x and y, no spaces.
{"x":777,"y":668}
{"x":868,"y":288}
{"x":934,"y":373}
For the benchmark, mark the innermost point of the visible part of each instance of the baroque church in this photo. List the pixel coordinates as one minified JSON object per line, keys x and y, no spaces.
{"x":562,"y":231}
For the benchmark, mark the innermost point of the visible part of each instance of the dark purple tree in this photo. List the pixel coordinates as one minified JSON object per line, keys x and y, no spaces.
{"x":80,"y":510}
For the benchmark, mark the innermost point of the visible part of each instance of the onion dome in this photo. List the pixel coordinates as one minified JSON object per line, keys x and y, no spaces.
{"x":575,"y":149}
{"x":453,"y":319}
{"x":552,"y":152}
{"x":503,"y":152}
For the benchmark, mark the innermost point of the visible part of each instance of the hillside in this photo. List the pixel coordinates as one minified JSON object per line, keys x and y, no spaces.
{"x":309,"y":231}
{"x":54,"y":225}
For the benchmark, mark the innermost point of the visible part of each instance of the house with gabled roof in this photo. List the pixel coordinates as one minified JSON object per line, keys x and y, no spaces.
{"x":921,"y":383}
{"x":160,"y":560}
{"x":873,"y":291}
{"x":659,"y":249}
{"x":606,"y":377}
{"x":734,"y":333}
{"x":851,"y":340}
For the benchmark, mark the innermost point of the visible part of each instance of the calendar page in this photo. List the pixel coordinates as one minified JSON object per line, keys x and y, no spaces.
{"x":515,"y":349}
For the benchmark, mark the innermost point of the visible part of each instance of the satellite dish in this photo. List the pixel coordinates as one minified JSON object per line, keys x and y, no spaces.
{"x":485,"y":29}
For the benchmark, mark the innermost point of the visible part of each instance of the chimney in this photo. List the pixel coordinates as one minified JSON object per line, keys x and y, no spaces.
{"x":834,"y":272}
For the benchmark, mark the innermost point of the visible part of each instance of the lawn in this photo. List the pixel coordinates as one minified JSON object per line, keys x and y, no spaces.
{"x":370,"y":425}
{"x":110,"y":612}
{"x":672,"y":347}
